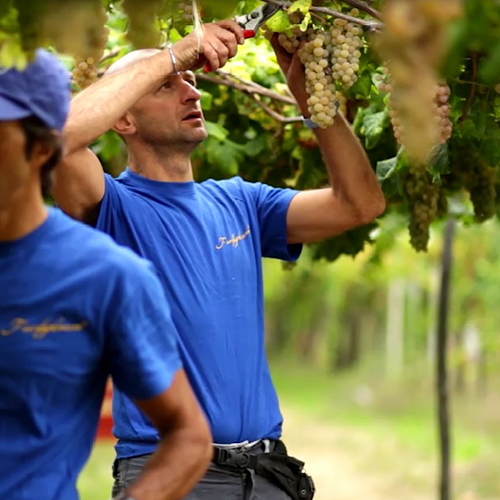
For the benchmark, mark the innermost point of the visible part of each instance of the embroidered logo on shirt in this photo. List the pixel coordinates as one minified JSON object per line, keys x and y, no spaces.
{"x":233,"y":240}
{"x":40,"y":331}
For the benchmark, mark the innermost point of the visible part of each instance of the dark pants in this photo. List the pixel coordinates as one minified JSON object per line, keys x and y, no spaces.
{"x":219,"y":482}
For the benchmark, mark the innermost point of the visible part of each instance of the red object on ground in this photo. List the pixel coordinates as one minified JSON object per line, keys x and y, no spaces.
{"x":104,"y":431}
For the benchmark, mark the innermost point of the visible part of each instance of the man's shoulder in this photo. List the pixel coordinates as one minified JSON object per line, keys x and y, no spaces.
{"x":96,"y":249}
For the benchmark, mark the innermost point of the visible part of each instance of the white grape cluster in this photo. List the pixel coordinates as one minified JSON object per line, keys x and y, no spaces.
{"x":291,"y":42}
{"x":442,"y":109}
{"x":186,"y":8}
{"x":85,"y":70}
{"x":346,"y":45}
{"x":319,"y":81}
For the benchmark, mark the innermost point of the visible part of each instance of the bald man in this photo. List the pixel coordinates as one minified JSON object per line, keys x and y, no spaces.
{"x":206,"y":241}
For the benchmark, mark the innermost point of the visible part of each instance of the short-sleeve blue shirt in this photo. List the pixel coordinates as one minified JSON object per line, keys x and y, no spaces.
{"x":74,"y":307}
{"x":206,"y":241}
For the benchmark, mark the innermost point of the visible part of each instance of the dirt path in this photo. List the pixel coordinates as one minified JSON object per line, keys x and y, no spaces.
{"x":351,"y":465}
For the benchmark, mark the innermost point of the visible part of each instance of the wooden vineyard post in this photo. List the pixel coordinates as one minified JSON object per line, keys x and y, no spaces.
{"x":442,"y":368}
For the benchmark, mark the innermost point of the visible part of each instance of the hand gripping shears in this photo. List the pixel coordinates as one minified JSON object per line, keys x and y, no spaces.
{"x":252,"y":21}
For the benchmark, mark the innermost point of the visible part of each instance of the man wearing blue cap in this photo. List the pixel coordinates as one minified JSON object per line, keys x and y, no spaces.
{"x":75,"y":307}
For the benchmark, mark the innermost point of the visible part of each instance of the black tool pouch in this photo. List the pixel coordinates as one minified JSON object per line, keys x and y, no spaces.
{"x":285,"y":472}
{"x":277,"y":467}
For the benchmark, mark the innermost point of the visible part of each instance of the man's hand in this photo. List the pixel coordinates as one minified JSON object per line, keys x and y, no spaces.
{"x":219,"y":43}
{"x":294,"y":72}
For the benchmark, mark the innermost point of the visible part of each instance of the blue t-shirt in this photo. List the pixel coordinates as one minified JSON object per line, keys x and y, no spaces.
{"x":74,"y":307}
{"x":206,"y":241}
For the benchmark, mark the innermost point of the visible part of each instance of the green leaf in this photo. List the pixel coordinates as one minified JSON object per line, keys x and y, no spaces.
{"x":387,"y":168}
{"x":216,"y":131}
{"x":374,"y":126}
{"x":363,"y":86}
{"x":300,"y":5}
{"x":279,"y":23}
{"x":227,"y":155}
{"x":440,"y":161}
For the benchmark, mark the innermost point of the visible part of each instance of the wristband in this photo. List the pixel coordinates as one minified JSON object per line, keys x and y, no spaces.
{"x":123,"y":496}
{"x":309,"y":123}
{"x":174,"y":60}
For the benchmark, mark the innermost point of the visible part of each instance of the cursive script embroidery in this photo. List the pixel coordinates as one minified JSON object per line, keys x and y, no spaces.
{"x":234,"y":240}
{"x":40,"y":331}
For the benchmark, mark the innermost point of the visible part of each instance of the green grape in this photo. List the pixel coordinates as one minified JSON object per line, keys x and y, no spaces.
{"x":422,"y":197}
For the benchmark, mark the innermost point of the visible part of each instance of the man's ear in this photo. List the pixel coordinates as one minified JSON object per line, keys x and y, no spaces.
{"x":42,"y":151}
{"x":125,"y":126}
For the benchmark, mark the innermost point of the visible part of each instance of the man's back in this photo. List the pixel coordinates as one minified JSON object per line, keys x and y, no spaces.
{"x":206,"y":242}
{"x":67,"y":300}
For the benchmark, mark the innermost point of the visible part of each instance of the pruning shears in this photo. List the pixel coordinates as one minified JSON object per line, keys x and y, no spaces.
{"x":252,"y":21}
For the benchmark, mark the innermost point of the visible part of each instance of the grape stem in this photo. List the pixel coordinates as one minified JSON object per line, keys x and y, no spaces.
{"x":472,"y":92}
{"x":370,"y":25}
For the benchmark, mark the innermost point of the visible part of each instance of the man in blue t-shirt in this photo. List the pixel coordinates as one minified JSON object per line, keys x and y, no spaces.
{"x":75,"y":308}
{"x":206,"y":241}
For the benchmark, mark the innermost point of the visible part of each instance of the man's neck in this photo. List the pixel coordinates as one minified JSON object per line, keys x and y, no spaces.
{"x":23,"y":215}
{"x":171,"y":166}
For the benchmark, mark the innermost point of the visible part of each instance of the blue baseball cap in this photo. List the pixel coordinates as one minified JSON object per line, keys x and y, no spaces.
{"x":41,"y":90}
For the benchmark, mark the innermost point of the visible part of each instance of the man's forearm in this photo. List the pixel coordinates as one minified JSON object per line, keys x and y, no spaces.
{"x":95,"y":110}
{"x":175,"y":468}
{"x":350,"y":172}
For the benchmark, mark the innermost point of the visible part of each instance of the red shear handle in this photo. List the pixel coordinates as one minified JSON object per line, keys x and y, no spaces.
{"x":246,"y":34}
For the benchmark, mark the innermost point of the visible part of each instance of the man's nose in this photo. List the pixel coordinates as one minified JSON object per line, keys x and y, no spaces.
{"x":189,"y":92}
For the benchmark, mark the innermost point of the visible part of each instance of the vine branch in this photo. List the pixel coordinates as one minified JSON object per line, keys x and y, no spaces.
{"x":274,"y":114}
{"x":245,"y":86}
{"x":254,"y":91}
{"x":370,"y":25}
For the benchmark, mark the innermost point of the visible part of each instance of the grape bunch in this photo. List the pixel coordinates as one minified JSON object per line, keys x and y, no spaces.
{"x":478,"y":177}
{"x":85,"y":70}
{"x":180,"y":14}
{"x":423,"y":197}
{"x":319,"y":81}
{"x":346,"y":43}
{"x":291,"y":42}
{"x":143,"y":28}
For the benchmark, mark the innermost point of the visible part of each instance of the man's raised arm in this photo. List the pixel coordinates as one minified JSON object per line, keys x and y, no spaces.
{"x":79,"y":182}
{"x":355,"y":197}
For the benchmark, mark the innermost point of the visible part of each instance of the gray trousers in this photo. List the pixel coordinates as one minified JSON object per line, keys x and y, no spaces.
{"x":219,"y":482}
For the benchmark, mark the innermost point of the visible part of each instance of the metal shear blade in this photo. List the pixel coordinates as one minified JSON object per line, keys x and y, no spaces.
{"x":254,"y":20}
